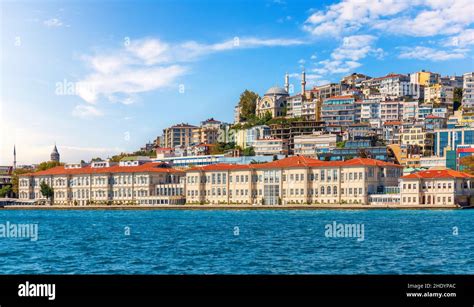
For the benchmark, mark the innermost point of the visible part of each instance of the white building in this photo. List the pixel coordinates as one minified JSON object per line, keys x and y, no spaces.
{"x":105,"y":183}
{"x":270,"y":146}
{"x":468,"y":92}
{"x":308,"y":145}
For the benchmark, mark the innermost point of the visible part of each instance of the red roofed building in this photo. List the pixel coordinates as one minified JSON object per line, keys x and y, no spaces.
{"x":293,"y":180}
{"x":437,"y":187}
{"x":104,"y":183}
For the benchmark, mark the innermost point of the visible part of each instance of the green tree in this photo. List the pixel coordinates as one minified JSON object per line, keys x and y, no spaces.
{"x":47,"y":165}
{"x":46,"y":190}
{"x":457,"y":98}
{"x":5,"y":190}
{"x":247,"y":104}
{"x":341,"y":144}
{"x":467,"y":164}
{"x":249,"y":151}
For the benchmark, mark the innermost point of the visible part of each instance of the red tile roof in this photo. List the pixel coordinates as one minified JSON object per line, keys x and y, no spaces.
{"x":295,"y":161}
{"x":435,"y":174}
{"x":143,"y":168}
{"x":392,"y":123}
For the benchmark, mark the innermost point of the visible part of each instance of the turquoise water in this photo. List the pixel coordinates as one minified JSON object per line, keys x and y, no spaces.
{"x":239,"y":242}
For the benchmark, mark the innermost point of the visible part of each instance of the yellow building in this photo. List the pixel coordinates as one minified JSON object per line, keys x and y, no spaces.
{"x":293,"y":180}
{"x":415,"y":143}
{"x":437,"y":187}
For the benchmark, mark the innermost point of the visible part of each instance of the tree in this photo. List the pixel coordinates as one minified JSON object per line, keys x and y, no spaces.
{"x":47,"y":165}
{"x":98,"y":159}
{"x":363,"y":153}
{"x":5,"y":190}
{"x":249,"y":151}
{"x":247,"y":104}
{"x":341,"y":144}
{"x":457,"y":98}
{"x":467,"y":164}
{"x":46,"y":190}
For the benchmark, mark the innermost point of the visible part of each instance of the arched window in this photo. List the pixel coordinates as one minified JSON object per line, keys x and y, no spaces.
{"x":322,"y":190}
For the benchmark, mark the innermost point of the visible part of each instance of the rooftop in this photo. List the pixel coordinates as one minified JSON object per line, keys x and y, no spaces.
{"x":144,"y":168}
{"x":435,"y":174}
{"x":296,"y":161}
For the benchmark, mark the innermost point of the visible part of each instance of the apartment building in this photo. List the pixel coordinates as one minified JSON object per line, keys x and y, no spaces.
{"x":391,"y":110}
{"x":180,"y":135}
{"x":103,"y":183}
{"x":308,"y":145}
{"x":439,"y":95}
{"x":437,"y":187}
{"x":468,"y":93}
{"x":338,"y":110}
{"x":270,"y":146}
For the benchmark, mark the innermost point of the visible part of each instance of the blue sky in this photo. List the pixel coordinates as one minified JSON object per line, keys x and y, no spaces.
{"x":100,"y":77}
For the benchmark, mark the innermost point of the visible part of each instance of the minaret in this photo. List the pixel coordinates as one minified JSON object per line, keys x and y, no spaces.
{"x":287,"y":82}
{"x":14,"y":157}
{"x":303,"y":83}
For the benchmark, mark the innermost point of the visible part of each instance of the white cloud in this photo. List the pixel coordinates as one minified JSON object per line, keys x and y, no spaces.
{"x":345,"y":58}
{"x":413,"y":18}
{"x":149,"y":64}
{"x":431,"y":54}
{"x":86,"y":111}
{"x":53,"y":23}
{"x":463,"y":39}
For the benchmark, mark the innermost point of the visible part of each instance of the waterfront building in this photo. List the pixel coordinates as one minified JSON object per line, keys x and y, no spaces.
{"x":103,"y":182}
{"x":294,"y":180}
{"x":308,"y":145}
{"x":270,"y":146}
{"x":180,"y":135}
{"x":437,"y":187}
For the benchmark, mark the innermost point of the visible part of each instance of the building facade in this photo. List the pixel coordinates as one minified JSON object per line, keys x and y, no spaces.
{"x":294,"y":180}
{"x":180,"y":135}
{"x":104,"y":183}
{"x":437,"y":187}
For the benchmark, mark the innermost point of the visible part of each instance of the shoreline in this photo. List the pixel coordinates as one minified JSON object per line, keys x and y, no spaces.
{"x":228,"y":207}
